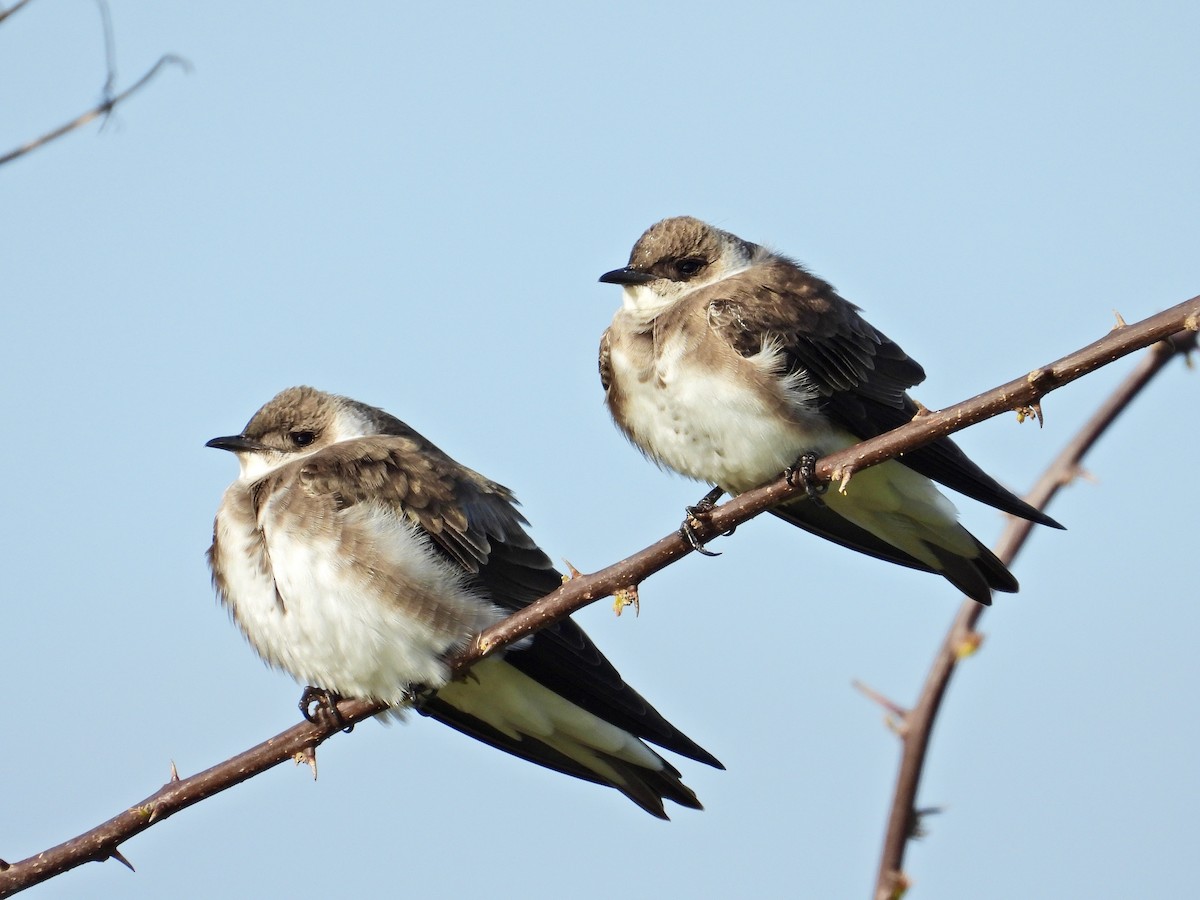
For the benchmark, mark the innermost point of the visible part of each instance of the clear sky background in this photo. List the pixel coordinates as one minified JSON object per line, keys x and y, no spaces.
{"x":410,"y":204}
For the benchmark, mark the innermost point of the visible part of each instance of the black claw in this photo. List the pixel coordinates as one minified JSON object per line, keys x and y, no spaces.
{"x":699,"y":513}
{"x":416,"y":696}
{"x":689,"y":535}
{"x":803,"y":472}
{"x":706,"y":504}
{"x":319,"y":706}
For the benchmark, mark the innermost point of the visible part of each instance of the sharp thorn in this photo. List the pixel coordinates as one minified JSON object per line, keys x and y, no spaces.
{"x":308,"y":757}
{"x":119,"y":857}
{"x":572,"y":572}
{"x":874,"y":696}
{"x":174,"y":772}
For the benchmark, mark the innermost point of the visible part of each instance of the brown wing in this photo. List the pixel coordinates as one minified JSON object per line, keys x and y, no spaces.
{"x":843,"y":356}
{"x":475,"y":523}
{"x":861,"y":375}
{"x":415,"y":481}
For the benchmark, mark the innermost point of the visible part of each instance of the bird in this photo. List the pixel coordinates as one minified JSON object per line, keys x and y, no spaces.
{"x":731,"y":364}
{"x":355,"y":555}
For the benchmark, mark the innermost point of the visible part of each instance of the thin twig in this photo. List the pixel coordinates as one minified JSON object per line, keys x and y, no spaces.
{"x":102,"y":108}
{"x":5,"y":13}
{"x":104,"y":841}
{"x":110,"y":51}
{"x":918,"y":722}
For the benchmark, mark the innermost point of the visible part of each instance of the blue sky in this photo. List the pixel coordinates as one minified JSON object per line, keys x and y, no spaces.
{"x":410,"y":204}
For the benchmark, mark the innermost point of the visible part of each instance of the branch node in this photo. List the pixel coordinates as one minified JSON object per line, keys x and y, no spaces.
{"x":842,"y":476}
{"x":893,"y":886}
{"x":969,"y":645}
{"x":1032,"y":411}
{"x":627,"y":596}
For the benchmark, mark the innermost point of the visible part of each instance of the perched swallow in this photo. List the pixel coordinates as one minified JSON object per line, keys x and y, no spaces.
{"x":730,"y":364}
{"x":355,"y":555}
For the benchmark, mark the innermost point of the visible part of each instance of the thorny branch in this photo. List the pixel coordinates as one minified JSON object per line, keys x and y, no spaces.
{"x":915,"y":726}
{"x":300,"y":741}
{"x":109,"y":101}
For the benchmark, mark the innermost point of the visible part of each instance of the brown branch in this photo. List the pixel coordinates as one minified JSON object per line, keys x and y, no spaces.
{"x":1019,"y":393}
{"x":917,"y":724}
{"x":109,"y":102}
{"x":299,"y":742}
{"x":5,"y":13}
{"x":103,"y":841}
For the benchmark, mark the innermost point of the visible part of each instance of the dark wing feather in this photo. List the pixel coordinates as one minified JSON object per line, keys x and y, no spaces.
{"x":861,"y":375}
{"x":474,"y":522}
{"x":562,"y":656}
{"x":645,"y":787}
{"x":975,"y":576}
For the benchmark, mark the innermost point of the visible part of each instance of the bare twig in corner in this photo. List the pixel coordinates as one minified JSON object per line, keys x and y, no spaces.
{"x":917,"y":724}
{"x":110,"y":101}
{"x":5,"y":13}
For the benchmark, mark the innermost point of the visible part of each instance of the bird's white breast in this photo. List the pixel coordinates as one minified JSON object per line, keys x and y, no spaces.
{"x":364,"y":620}
{"x":737,"y":424}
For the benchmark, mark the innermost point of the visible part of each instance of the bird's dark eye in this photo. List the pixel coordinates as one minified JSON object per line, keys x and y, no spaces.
{"x":303,"y":438}
{"x":689,"y":266}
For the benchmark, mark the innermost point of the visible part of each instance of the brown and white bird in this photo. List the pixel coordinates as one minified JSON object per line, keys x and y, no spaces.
{"x":729,"y":363}
{"x":355,"y":555}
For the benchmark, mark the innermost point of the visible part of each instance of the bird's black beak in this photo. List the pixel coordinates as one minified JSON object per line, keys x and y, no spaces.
{"x":627,"y":275}
{"x":236,"y":443}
